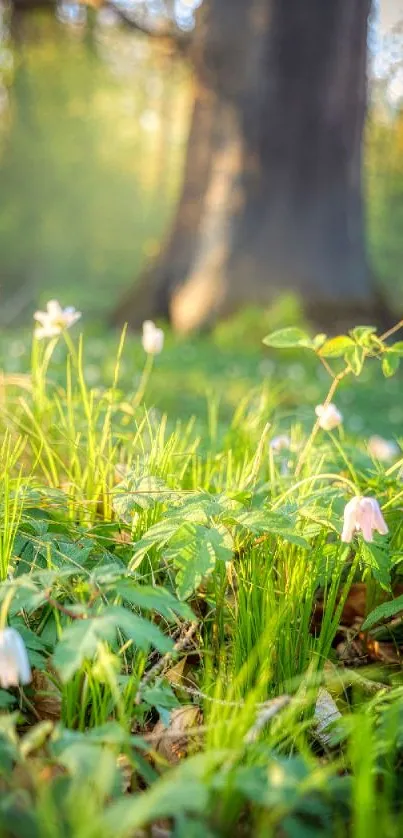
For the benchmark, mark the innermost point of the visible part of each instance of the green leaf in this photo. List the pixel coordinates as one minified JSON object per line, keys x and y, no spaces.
{"x":336,"y":347}
{"x":390,"y":364}
{"x":378,"y":559}
{"x":79,"y":641}
{"x":396,"y":347}
{"x":383,"y":612}
{"x":6,"y":700}
{"x":194,"y":551}
{"x":136,"y":493}
{"x":288,"y":339}
{"x":355,"y":358}
{"x":181,"y":790}
{"x":153,"y":599}
{"x":260,"y":521}
{"x":363,"y":334}
{"x":156,"y":536}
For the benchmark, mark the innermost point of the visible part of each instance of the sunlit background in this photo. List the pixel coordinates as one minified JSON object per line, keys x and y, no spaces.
{"x":93,"y":125}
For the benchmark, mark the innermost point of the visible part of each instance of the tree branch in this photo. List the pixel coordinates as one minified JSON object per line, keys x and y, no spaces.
{"x":171,"y":33}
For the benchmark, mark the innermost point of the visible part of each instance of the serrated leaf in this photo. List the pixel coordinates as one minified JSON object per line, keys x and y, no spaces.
{"x":378,"y":560}
{"x":195,"y":551}
{"x":153,"y":599}
{"x":272,"y":523}
{"x":336,"y":347}
{"x":156,"y":536}
{"x":390,"y":364}
{"x":136,"y":493}
{"x":288,"y":339}
{"x":385,"y":611}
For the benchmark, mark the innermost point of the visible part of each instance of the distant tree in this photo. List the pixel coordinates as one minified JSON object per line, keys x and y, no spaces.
{"x":272,"y":185}
{"x":271,"y":198}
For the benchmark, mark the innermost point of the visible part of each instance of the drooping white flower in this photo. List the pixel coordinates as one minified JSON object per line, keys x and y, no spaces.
{"x":329,"y":416}
{"x":153,"y":338}
{"x":14,"y":663}
{"x":280,"y":443}
{"x":363,"y":514}
{"x":55,"y":320}
{"x":382,"y":449}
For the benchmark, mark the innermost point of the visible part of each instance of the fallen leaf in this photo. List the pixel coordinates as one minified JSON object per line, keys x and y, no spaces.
{"x":46,"y":696}
{"x":171,"y":741}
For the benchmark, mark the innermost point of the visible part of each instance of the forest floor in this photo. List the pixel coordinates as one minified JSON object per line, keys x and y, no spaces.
{"x":207,"y":656}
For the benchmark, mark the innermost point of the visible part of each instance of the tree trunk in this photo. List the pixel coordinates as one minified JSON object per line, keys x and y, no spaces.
{"x":271,"y":198}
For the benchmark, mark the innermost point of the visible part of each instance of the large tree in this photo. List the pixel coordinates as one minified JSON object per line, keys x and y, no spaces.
{"x":272,"y":185}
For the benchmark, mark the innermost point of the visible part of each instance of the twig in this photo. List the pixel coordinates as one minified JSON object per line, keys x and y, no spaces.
{"x":55,"y":604}
{"x":161,"y":665}
{"x":392,"y":331}
{"x":269,"y":709}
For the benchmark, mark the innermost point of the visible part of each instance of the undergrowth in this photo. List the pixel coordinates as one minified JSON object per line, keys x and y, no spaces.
{"x":208,"y":657}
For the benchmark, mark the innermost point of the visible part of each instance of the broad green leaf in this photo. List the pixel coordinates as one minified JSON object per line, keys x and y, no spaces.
{"x":178,"y":792}
{"x":260,"y":522}
{"x":6,"y":700}
{"x":390,"y":364}
{"x":194,"y":551}
{"x":378,"y":559}
{"x":156,"y":536}
{"x":288,"y":339}
{"x":80,"y":640}
{"x":336,"y":347}
{"x":153,"y":599}
{"x":396,"y":347}
{"x":383,"y":612}
{"x":136,"y":493}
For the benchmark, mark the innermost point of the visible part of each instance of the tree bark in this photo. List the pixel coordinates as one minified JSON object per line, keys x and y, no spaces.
{"x":272,"y":199}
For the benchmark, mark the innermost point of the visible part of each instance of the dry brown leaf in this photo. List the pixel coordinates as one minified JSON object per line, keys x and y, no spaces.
{"x":46,"y":696}
{"x":352,"y":652}
{"x":175,"y":673}
{"x":171,"y":742}
{"x":380,"y":651}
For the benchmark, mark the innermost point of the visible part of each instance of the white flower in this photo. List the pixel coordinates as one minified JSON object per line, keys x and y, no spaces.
{"x":14,"y":663}
{"x":153,"y":338}
{"x":329,"y":417}
{"x":362,"y":514}
{"x":280,"y":443}
{"x":55,"y":320}
{"x":382,"y":449}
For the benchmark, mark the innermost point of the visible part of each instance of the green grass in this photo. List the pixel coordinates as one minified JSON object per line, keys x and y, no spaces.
{"x":180,"y":589}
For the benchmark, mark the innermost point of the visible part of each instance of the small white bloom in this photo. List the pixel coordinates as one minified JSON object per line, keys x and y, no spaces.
{"x":153,"y":338}
{"x":280,"y":443}
{"x":362,"y":514}
{"x":382,"y":449}
{"x":329,"y":416}
{"x":14,"y":663}
{"x":55,"y":320}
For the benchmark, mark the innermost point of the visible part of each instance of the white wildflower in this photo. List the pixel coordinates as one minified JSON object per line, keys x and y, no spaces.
{"x":153,"y":338}
{"x":14,"y":663}
{"x":329,"y":416}
{"x":55,"y":320}
{"x":362,"y":514}
{"x":280,"y":443}
{"x":382,"y":449}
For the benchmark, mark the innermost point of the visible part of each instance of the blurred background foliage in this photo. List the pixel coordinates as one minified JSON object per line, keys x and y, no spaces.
{"x":93,"y":129}
{"x":93,"y":125}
